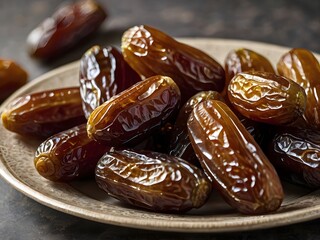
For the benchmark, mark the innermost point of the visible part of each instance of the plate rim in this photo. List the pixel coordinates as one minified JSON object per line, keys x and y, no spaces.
{"x":261,"y":222}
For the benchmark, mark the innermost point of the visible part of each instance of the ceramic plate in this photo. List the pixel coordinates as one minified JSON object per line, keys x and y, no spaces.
{"x":84,"y":199}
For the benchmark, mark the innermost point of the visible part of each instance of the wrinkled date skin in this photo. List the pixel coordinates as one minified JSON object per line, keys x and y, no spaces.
{"x":133,"y":114}
{"x":69,"y":24}
{"x":12,"y":77}
{"x":45,"y":113}
{"x":267,"y":97}
{"x":69,"y":155}
{"x":151,"y":52}
{"x":233,"y":160}
{"x":295,"y":153}
{"x":301,"y":66}
{"x":152,"y":180}
{"x":180,"y":145}
{"x":244,"y":60}
{"x":103,"y":74}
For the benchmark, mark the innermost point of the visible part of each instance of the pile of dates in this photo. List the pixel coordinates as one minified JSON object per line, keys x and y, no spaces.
{"x":160,"y":125}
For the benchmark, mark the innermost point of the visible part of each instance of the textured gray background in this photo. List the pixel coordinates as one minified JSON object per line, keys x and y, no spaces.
{"x":293,"y":23}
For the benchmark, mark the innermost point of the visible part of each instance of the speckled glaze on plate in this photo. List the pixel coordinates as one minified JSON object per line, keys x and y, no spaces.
{"x":84,"y":199}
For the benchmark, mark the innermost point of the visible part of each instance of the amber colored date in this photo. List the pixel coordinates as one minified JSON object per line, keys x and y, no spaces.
{"x":12,"y":77}
{"x":151,"y":52}
{"x":45,"y":113}
{"x":244,"y":60}
{"x":180,"y":145}
{"x":69,"y":24}
{"x":135,"y":113}
{"x":301,"y":66}
{"x":103,"y":74}
{"x":152,"y":180}
{"x":69,"y":155}
{"x":295,"y":154}
{"x":233,"y":160}
{"x":267,"y":97}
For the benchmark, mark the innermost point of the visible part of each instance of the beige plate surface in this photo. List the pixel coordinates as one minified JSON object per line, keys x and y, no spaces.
{"x":84,"y":199}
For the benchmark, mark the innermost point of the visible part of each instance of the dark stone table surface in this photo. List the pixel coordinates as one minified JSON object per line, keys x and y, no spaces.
{"x":293,"y":23}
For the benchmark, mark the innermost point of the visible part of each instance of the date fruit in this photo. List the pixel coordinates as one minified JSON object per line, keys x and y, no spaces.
{"x":12,"y":77}
{"x":69,"y":155}
{"x":152,"y":180}
{"x":256,"y":129}
{"x":151,"y":52}
{"x":69,"y":24}
{"x":295,"y":153}
{"x":244,"y":60}
{"x":45,"y":113}
{"x":267,"y":97}
{"x":301,"y":66}
{"x":103,"y":74}
{"x":180,"y":145}
{"x":135,"y":113}
{"x":233,"y":160}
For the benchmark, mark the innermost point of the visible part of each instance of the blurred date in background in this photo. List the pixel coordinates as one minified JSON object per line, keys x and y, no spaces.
{"x":282,"y":22}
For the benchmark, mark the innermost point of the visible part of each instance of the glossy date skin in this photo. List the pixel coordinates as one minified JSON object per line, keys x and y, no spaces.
{"x":295,"y":153}
{"x":134,"y":114}
{"x":68,"y":25}
{"x":69,"y":155}
{"x":233,"y":160}
{"x":301,"y":66}
{"x":267,"y":97}
{"x":12,"y":77}
{"x":153,"y":181}
{"x":152,"y":52}
{"x":45,"y":113}
{"x":180,"y":145}
{"x":103,"y":74}
{"x":244,"y":60}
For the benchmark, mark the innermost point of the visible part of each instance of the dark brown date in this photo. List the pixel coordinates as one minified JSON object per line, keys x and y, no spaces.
{"x":152,"y":180}
{"x":69,"y":155}
{"x":267,"y":97}
{"x":244,"y":60}
{"x":295,"y":154}
{"x":256,"y":129}
{"x":135,"y":113}
{"x":301,"y":66}
{"x":151,"y":52}
{"x":45,"y":113}
{"x":180,"y":145}
{"x":69,"y":24}
{"x":12,"y":77}
{"x":233,"y":160}
{"x":103,"y":74}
